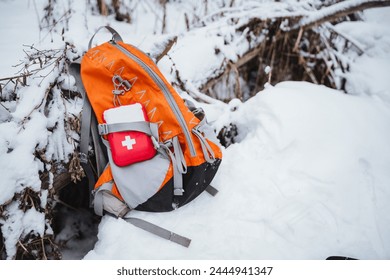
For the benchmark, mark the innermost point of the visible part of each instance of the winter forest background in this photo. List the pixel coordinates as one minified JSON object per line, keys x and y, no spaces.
{"x":298,"y":93}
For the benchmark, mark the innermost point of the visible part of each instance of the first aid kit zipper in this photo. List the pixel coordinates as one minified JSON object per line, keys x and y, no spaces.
{"x":167,"y":94}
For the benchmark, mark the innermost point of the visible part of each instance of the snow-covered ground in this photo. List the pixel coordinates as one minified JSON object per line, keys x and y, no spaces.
{"x":308,"y":178}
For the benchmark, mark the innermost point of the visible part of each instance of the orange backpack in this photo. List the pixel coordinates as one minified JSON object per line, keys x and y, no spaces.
{"x":183,"y":153}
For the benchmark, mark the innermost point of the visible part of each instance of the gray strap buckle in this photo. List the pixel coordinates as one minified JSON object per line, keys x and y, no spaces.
{"x":83,"y":158}
{"x":118,"y":82}
{"x":178,"y":191}
{"x":103,"y":129}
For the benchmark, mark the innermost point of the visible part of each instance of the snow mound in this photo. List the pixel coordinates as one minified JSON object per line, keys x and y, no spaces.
{"x":308,"y":179}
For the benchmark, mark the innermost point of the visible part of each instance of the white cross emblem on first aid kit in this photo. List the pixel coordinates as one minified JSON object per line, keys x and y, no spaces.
{"x":128,"y":142}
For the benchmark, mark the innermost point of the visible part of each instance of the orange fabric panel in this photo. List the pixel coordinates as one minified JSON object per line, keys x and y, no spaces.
{"x":105,"y":177}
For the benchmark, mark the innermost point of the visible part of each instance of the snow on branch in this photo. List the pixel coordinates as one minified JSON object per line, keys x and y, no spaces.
{"x":229,"y":52}
{"x":298,"y":42}
{"x":40,"y":139}
{"x":336,"y":11}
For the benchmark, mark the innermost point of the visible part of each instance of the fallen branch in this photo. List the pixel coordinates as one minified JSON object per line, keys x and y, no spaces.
{"x":16,"y":77}
{"x":195,"y":93}
{"x":336,"y":11}
{"x":60,"y":180}
{"x":359,"y":47}
{"x":287,"y":35}
{"x":167,"y":47}
{"x":226,"y":67}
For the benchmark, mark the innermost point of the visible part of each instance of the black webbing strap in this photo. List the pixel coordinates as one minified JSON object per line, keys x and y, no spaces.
{"x":211,"y":190}
{"x":159,"y":231}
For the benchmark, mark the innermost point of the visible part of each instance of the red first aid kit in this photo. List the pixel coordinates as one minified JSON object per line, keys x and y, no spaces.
{"x":128,"y":147}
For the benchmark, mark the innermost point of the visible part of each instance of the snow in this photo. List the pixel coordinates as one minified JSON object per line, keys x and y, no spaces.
{"x":342,"y":6}
{"x":307,"y":178}
{"x":19,"y":224}
{"x":13,"y":41}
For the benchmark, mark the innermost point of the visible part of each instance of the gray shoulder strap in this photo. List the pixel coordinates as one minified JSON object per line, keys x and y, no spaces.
{"x":159,"y":231}
{"x":88,"y":128}
{"x":89,"y":125}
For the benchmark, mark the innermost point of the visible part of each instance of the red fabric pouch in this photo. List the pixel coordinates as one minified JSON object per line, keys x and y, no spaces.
{"x":128,"y":147}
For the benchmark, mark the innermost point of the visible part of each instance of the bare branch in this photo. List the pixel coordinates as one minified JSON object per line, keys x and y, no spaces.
{"x":16,"y":77}
{"x":167,"y":48}
{"x":336,"y":11}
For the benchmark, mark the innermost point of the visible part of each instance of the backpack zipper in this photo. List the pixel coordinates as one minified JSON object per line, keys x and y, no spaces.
{"x":167,"y":94}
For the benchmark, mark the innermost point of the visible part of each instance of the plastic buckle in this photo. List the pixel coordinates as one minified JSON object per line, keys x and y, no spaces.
{"x":117,"y":80}
{"x":168,"y":143}
{"x":126,"y":85}
{"x":118,"y":92}
{"x":83,"y":158}
{"x":175,"y":205}
{"x":103,"y":129}
{"x":178,"y":192}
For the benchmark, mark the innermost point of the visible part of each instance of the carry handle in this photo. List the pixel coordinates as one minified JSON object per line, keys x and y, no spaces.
{"x":115,"y":36}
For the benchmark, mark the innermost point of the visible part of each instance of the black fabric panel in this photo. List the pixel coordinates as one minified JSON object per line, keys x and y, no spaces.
{"x":161,"y":201}
{"x":195,"y":181}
